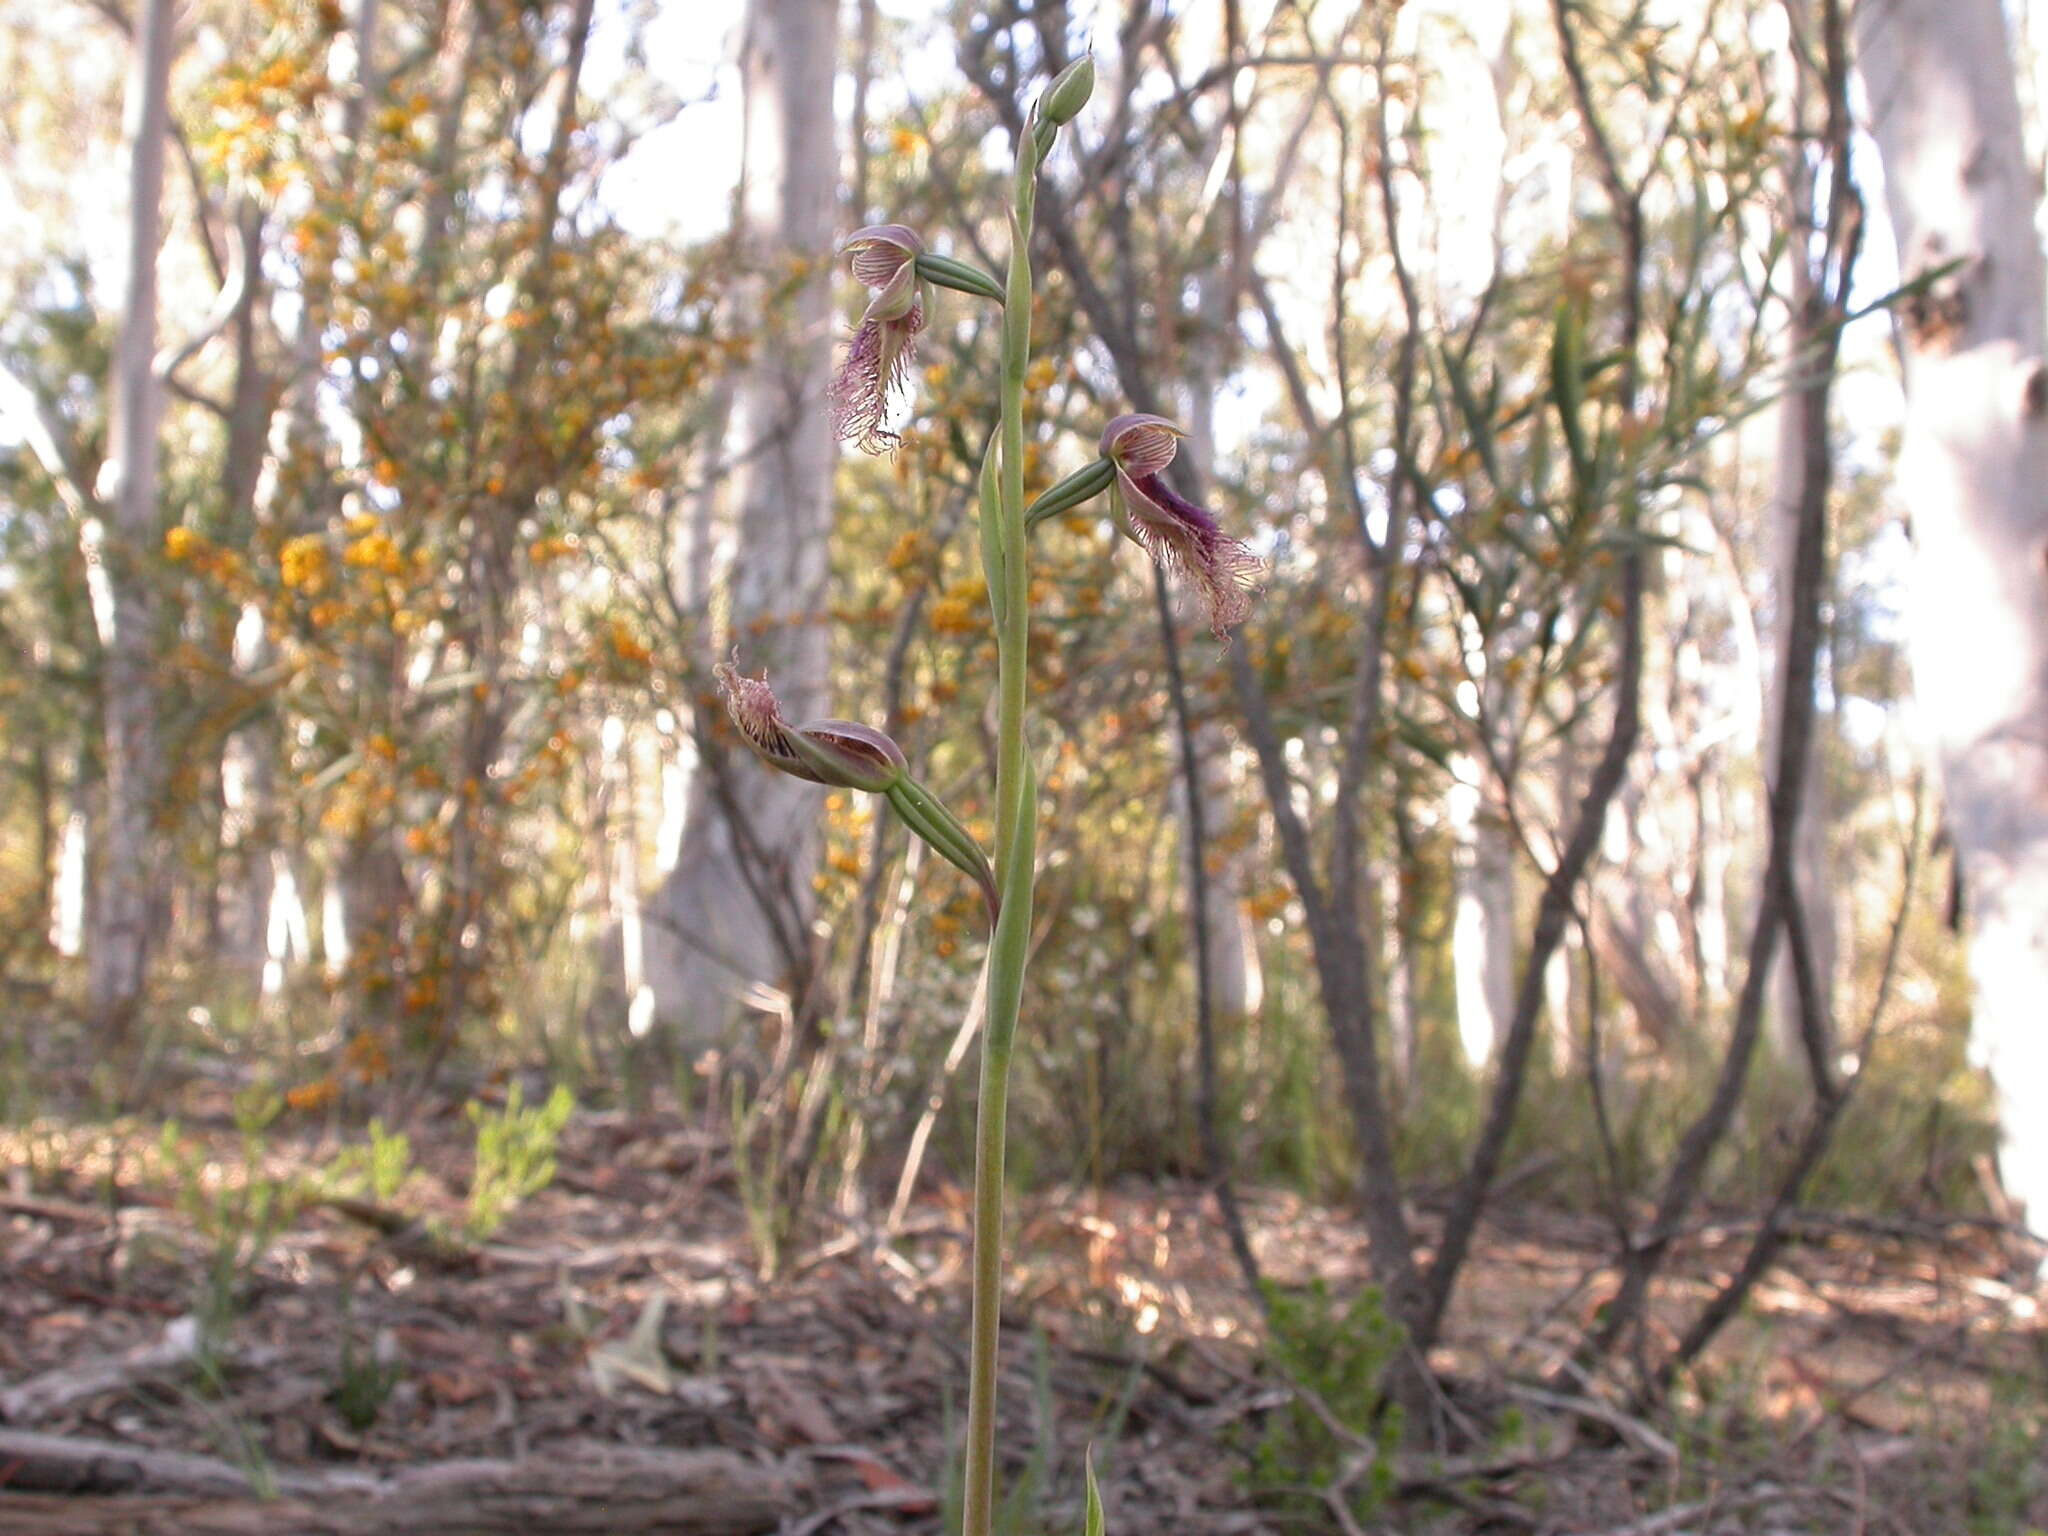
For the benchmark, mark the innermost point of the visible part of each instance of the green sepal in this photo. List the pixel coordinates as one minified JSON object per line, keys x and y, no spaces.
{"x":1092,"y":1522}
{"x":1082,"y":485}
{"x":958,"y":276}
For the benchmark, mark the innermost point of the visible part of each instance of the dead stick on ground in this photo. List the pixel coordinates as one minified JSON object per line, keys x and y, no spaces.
{"x":52,"y":1482}
{"x":53,"y":1391}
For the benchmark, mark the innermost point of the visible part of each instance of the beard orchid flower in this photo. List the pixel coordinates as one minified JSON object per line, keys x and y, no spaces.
{"x":841,"y":753}
{"x":1179,"y":536}
{"x":885,"y":258}
{"x":847,"y":755}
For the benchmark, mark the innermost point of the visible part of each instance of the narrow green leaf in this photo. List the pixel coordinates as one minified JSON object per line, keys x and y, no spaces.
{"x":1093,"y":1524}
{"x":1567,"y":389}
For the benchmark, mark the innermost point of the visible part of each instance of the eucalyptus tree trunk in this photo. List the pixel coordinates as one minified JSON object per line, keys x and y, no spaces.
{"x":124,"y":911}
{"x":1797,"y":447}
{"x":1236,"y":984}
{"x":734,"y":912}
{"x":1483,"y":915}
{"x":1945,"y":113}
{"x":244,"y":881}
{"x":1810,"y":862}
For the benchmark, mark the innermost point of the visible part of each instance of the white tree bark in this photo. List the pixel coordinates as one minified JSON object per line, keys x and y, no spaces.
{"x":1236,"y":983}
{"x":1974,"y":475}
{"x":1483,"y":918}
{"x":734,"y":911}
{"x":124,"y":909}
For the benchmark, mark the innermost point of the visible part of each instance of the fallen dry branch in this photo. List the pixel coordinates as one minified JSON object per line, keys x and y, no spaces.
{"x":42,"y":1396}
{"x":53,"y":1210}
{"x":52,"y":1482}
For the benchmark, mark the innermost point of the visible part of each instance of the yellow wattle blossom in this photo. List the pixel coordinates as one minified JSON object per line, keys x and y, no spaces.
{"x":366,"y":1058}
{"x":955,"y":616}
{"x":541,"y":551}
{"x":182,"y":543}
{"x":1266,"y":902}
{"x":317,"y":1094}
{"x":374,"y":551}
{"x":910,"y":549}
{"x":627,"y":646}
{"x":302,"y":564}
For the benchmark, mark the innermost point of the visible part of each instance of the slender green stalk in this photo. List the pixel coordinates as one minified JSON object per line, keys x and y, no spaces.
{"x":1016,"y":806}
{"x":892,"y":262}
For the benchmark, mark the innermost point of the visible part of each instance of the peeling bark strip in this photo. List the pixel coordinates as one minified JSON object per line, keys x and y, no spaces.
{"x":58,"y":1483}
{"x":1945,"y":114}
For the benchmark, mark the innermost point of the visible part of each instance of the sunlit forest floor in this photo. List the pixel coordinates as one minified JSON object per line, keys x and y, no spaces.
{"x":1884,"y":1379}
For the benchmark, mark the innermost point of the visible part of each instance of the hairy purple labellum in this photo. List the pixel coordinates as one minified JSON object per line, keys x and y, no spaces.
{"x":1180,"y":536}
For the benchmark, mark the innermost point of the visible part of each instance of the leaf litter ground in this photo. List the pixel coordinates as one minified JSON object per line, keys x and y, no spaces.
{"x":1887,"y":1376}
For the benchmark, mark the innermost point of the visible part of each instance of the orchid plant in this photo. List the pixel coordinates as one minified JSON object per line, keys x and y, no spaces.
{"x":1135,"y":451}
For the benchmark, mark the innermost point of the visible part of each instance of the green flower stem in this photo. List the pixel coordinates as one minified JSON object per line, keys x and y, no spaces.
{"x":1016,"y":809}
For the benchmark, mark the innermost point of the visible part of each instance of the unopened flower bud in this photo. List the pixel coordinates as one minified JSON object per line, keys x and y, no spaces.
{"x":1069,"y":93}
